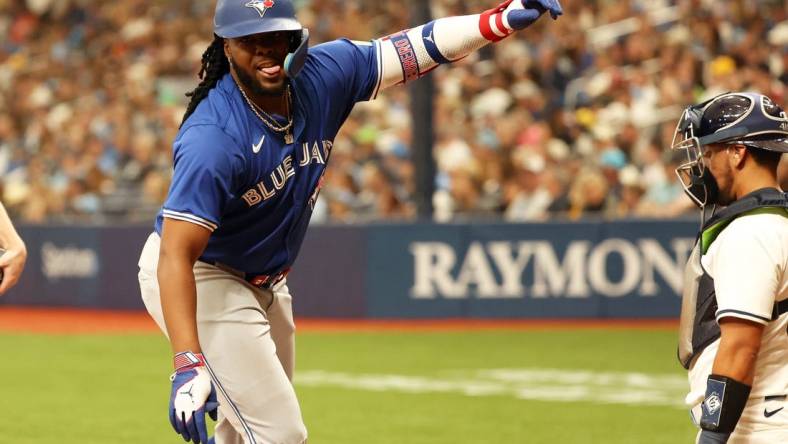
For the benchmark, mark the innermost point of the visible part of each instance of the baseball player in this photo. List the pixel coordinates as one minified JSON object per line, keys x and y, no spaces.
{"x":248,"y":166}
{"x":733,"y":332}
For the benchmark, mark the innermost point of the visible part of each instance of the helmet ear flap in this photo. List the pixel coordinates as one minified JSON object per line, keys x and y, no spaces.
{"x":295,"y":59}
{"x":295,"y":41}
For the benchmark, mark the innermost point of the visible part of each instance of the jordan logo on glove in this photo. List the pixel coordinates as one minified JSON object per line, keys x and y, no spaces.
{"x":192,"y":396}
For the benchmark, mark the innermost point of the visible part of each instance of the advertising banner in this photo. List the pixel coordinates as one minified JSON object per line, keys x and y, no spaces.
{"x":85,"y":267}
{"x":627,"y":269}
{"x":577,"y":270}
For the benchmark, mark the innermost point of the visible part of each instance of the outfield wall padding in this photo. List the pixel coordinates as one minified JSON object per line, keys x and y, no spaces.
{"x":626,"y":269}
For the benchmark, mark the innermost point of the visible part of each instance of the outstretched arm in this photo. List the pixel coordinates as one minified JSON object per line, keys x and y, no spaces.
{"x":412,"y":53}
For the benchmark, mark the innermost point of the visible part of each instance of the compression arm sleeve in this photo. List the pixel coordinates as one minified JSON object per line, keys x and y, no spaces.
{"x":410,"y":54}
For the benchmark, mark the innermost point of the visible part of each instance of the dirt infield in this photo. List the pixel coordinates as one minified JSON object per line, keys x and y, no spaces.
{"x":72,"y":321}
{"x":65,"y":321}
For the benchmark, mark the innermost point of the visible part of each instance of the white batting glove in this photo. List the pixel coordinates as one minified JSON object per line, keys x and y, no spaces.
{"x":192,"y":395}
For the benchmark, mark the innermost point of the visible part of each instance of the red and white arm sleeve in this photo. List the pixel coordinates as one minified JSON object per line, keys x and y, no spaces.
{"x":410,"y":54}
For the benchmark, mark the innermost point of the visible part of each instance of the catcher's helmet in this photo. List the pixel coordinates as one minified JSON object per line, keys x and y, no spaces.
{"x":238,"y":18}
{"x":748,"y":119}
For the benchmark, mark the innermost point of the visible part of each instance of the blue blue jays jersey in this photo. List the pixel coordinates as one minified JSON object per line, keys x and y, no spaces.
{"x":240,"y":180}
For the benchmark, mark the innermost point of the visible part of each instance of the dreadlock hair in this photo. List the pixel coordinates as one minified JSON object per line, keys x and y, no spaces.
{"x":214,"y":67}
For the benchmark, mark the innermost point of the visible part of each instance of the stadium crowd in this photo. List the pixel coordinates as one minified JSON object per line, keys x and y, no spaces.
{"x":571,"y":118}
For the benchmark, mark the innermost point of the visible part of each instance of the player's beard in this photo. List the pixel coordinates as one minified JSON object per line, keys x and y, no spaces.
{"x":724,"y":196}
{"x":253,"y":86}
{"x":723,"y":183}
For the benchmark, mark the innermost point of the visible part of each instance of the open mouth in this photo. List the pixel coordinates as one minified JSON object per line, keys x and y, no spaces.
{"x":269,"y":69}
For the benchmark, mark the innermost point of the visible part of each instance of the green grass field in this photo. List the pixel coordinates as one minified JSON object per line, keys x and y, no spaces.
{"x":583,"y":386}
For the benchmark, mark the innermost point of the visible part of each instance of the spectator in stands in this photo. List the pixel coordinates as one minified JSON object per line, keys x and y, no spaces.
{"x":97,"y":87}
{"x":589,"y":194}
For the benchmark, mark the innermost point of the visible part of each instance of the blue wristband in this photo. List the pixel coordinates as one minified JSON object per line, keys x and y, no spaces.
{"x":707,"y":437}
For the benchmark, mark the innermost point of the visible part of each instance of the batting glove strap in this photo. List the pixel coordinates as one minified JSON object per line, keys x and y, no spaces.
{"x":187,"y":360}
{"x":491,"y":23}
{"x":723,"y":405}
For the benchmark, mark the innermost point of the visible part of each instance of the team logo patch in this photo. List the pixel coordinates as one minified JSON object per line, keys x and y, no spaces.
{"x":261,"y":6}
{"x":712,"y":403}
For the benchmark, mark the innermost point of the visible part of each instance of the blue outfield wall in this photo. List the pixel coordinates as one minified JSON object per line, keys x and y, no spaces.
{"x":558,"y":270}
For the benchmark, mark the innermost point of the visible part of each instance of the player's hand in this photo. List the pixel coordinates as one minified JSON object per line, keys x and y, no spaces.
{"x":513,"y":15}
{"x":520,"y":14}
{"x":551,"y":6}
{"x":192,"y":395}
{"x":12,"y":263}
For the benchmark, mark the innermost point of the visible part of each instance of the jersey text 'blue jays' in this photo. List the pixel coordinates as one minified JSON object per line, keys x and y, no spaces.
{"x":239,"y":179}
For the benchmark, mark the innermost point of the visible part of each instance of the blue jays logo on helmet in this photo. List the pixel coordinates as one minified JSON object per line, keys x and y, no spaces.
{"x":238,"y":18}
{"x":260,"y":5}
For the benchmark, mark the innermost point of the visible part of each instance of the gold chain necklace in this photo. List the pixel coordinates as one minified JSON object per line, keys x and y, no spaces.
{"x":271,"y":124}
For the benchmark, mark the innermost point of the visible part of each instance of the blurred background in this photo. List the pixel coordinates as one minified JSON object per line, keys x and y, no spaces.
{"x":531,"y":298}
{"x":554,"y":141}
{"x":569,"y":119}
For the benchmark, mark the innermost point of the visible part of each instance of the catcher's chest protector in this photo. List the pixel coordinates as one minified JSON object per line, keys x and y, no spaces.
{"x":698,"y":326}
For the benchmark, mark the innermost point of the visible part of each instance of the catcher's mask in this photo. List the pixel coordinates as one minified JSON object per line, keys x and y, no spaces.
{"x":748,"y":119}
{"x":238,"y":18}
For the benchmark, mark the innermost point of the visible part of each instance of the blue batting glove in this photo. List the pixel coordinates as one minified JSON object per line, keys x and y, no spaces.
{"x":514,"y":15}
{"x":192,"y":395}
{"x":546,"y":5}
{"x":519,"y":17}
{"x":522,"y":13}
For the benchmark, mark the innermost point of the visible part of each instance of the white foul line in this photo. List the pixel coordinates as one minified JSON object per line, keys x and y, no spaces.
{"x":531,"y":384}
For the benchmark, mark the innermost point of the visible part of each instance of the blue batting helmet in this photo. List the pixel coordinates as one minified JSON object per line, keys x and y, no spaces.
{"x":238,"y":18}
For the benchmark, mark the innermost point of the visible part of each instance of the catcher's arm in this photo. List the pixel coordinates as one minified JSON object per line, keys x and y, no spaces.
{"x":728,"y":387}
{"x":12,"y":260}
{"x":412,"y":53}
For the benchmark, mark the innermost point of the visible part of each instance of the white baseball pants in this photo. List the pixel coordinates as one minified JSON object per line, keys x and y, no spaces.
{"x":247,"y":336}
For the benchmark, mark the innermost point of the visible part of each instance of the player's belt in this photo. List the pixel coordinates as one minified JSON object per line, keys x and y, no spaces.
{"x":262,"y":281}
{"x":266,"y":281}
